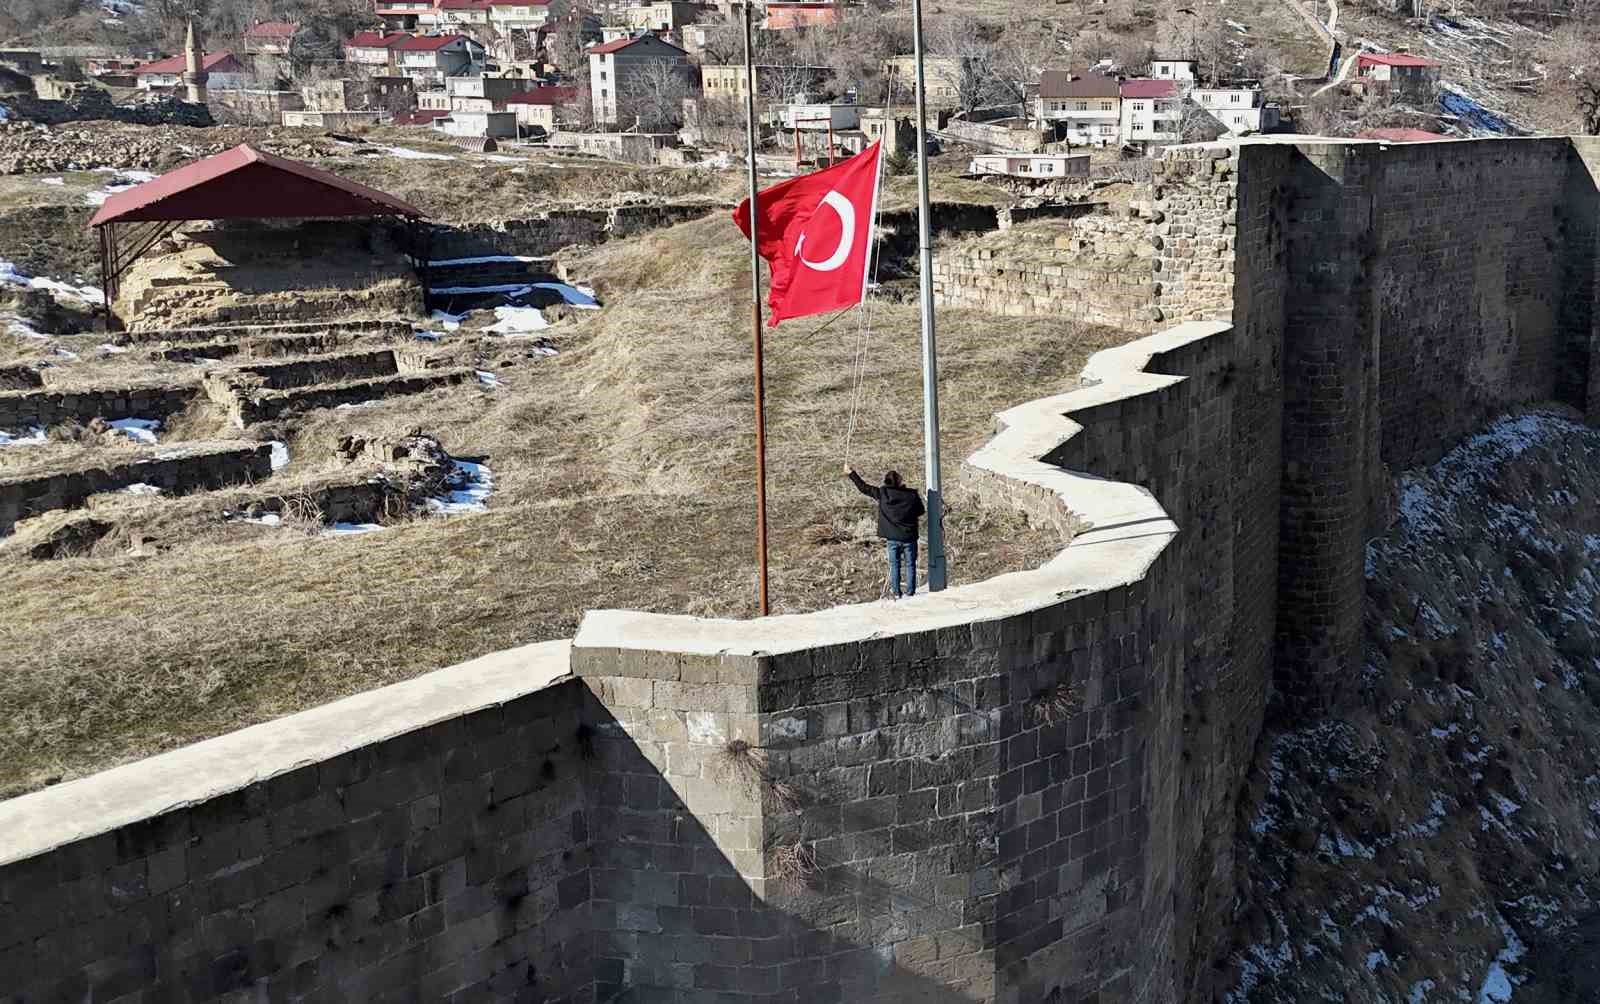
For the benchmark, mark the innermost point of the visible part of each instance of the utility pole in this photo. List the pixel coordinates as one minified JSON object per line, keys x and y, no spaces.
{"x":930,"y":360}
{"x":755,"y":315}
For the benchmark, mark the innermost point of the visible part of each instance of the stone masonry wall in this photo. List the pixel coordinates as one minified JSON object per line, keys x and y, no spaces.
{"x":1094,"y":270}
{"x":423,"y":842}
{"x":176,"y":471}
{"x":44,"y":409}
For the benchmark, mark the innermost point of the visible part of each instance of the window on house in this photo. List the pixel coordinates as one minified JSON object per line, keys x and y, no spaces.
{"x":1082,"y":106}
{"x":1166,"y":71}
{"x":602,"y":74}
{"x":1138,"y":127}
{"x":1105,"y":106}
{"x":1107,"y":130}
{"x":1234,"y":98}
{"x":1138,"y":106}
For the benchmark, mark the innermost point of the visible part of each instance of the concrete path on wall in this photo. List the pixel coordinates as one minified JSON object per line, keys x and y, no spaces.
{"x":34,"y":824}
{"x":1339,"y":78}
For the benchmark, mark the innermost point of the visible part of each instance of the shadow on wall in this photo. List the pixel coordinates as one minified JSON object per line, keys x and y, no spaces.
{"x":675,"y":920}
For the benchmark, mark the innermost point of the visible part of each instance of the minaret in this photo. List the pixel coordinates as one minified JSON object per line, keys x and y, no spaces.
{"x":194,"y":77}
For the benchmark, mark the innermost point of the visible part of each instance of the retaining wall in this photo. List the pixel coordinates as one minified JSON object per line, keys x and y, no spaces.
{"x":543,"y":235}
{"x":336,"y":368}
{"x":191,"y":468}
{"x":46,"y":408}
{"x":264,"y":406}
{"x":1018,"y":790}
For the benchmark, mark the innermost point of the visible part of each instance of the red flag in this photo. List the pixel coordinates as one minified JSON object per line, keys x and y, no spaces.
{"x":816,"y":233}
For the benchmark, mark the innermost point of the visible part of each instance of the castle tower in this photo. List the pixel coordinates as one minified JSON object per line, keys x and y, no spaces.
{"x":194,"y":77}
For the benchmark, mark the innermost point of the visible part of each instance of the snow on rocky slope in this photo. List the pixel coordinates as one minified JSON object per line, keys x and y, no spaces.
{"x":1438,"y":838}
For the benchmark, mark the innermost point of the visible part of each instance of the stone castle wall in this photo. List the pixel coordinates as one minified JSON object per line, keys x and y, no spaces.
{"x":1018,"y":790}
{"x":26,"y":409}
{"x":193,"y":467}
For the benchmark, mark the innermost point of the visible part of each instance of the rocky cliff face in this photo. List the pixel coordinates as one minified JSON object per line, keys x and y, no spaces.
{"x":1439,"y":838}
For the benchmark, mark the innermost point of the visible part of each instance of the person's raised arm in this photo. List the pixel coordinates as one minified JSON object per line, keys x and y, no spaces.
{"x":861,"y":486}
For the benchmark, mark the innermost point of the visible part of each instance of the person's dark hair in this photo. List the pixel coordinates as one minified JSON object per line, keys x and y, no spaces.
{"x":892,"y":480}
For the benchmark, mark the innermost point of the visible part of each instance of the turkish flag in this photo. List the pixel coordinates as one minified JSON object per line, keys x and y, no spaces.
{"x":816,"y":233}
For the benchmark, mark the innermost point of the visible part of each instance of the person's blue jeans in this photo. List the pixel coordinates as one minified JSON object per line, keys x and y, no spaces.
{"x":902,"y":554}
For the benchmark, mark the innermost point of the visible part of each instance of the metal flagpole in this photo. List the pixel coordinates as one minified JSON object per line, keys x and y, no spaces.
{"x":930,"y":362}
{"x":755,"y":313}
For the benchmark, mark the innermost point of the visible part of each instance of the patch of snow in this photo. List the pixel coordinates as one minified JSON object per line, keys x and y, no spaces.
{"x":488,"y":379}
{"x":34,"y":436}
{"x":63,"y":353}
{"x":427,"y":336}
{"x":514,"y":289}
{"x":578,"y":296}
{"x":406,"y":153}
{"x":475,"y":484}
{"x":22,"y":329}
{"x":498,"y":158}
{"x":280,"y":455}
{"x":112,"y":350}
{"x":270,"y":519}
{"x":448,"y":321}
{"x":10,"y":275}
{"x":354,"y":405}
{"x":121,"y":181}
{"x":140,"y":430}
{"x":1498,"y":984}
{"x":141,"y":489}
{"x":518,"y":320}
{"x":491,"y":259}
{"x":1504,"y":805}
{"x":52,"y":181}
{"x":1376,"y":959}
{"x":350,"y":529}
{"x":1419,"y":991}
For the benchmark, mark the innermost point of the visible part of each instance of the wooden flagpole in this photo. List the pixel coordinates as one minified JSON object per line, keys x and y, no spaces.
{"x":755,"y":313}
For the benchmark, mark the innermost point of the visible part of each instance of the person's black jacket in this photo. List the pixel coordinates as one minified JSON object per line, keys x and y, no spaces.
{"x":898,"y":509}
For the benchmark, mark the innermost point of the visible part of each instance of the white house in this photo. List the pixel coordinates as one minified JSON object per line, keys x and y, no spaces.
{"x":1152,"y":112}
{"x":1084,"y":108}
{"x":224,"y":73}
{"x":616,"y":68}
{"x":373,"y":49}
{"x":498,"y":125}
{"x":820,"y":117}
{"x":518,"y":15}
{"x":430,"y":59}
{"x":1037,"y":166}
{"x":1240,"y":109}
{"x":1172,"y":69}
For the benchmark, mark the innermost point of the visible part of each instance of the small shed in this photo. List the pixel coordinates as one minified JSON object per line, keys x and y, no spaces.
{"x":239,"y":184}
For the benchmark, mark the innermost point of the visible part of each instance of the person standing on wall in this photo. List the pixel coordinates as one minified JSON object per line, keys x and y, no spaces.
{"x":899,"y":509}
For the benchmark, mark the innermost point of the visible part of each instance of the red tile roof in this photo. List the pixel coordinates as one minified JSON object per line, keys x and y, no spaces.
{"x":461,"y":4}
{"x":245,"y":184}
{"x":1402,"y":135}
{"x":272,"y":29}
{"x":544,"y":96}
{"x":375,"y":40}
{"x":420,"y":116}
{"x":1149,"y":88}
{"x":1393,"y":59}
{"x":178,"y":64}
{"x":623,"y":43}
{"x":429,"y":43}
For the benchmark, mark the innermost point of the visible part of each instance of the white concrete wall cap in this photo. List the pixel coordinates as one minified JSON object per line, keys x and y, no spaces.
{"x":44,"y":820}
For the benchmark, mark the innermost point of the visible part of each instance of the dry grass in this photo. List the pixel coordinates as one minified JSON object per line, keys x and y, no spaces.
{"x":622,"y":479}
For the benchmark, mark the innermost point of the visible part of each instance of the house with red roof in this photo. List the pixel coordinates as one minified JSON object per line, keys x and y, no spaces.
{"x":619,"y":71}
{"x":269,"y":38}
{"x":787,"y":14}
{"x":225,"y":73}
{"x":429,"y":60}
{"x":1415,"y":76}
{"x":374,"y":49}
{"x":1152,"y":112}
{"x":481,"y":16}
{"x":542,"y":108}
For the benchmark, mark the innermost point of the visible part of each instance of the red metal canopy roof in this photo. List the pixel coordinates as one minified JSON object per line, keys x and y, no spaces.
{"x":246,"y":184}
{"x":177,"y":64}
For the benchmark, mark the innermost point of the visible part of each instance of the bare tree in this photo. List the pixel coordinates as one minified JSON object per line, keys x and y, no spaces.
{"x":965,"y":41}
{"x":650,"y":96}
{"x":1589,"y":106}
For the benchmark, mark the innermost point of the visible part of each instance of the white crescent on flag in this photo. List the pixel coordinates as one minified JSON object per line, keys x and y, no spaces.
{"x":847,"y":235}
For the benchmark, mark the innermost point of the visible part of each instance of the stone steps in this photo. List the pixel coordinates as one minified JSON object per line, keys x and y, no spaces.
{"x":381,"y":328}
{"x":309,"y":372}
{"x":266,"y":405}
{"x":55,"y":406}
{"x":174,"y":470}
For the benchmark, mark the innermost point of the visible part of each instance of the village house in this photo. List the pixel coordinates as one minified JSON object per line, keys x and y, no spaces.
{"x":663,"y":15}
{"x":403,"y":15}
{"x":617,"y":69}
{"x":478,"y":124}
{"x":226,"y":73}
{"x":1034,"y":166}
{"x":373,"y":49}
{"x":890,"y":126}
{"x":1172,"y":69}
{"x":942,"y":74}
{"x":1084,"y":109}
{"x":24,"y":61}
{"x":394,"y":95}
{"x":783,"y":15}
{"x":1414,"y":76}
{"x":1240,"y":109}
{"x":1152,"y":112}
{"x":269,"y":38}
{"x":431,"y":59}
{"x":542,"y":110}
{"x":727,"y":82}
